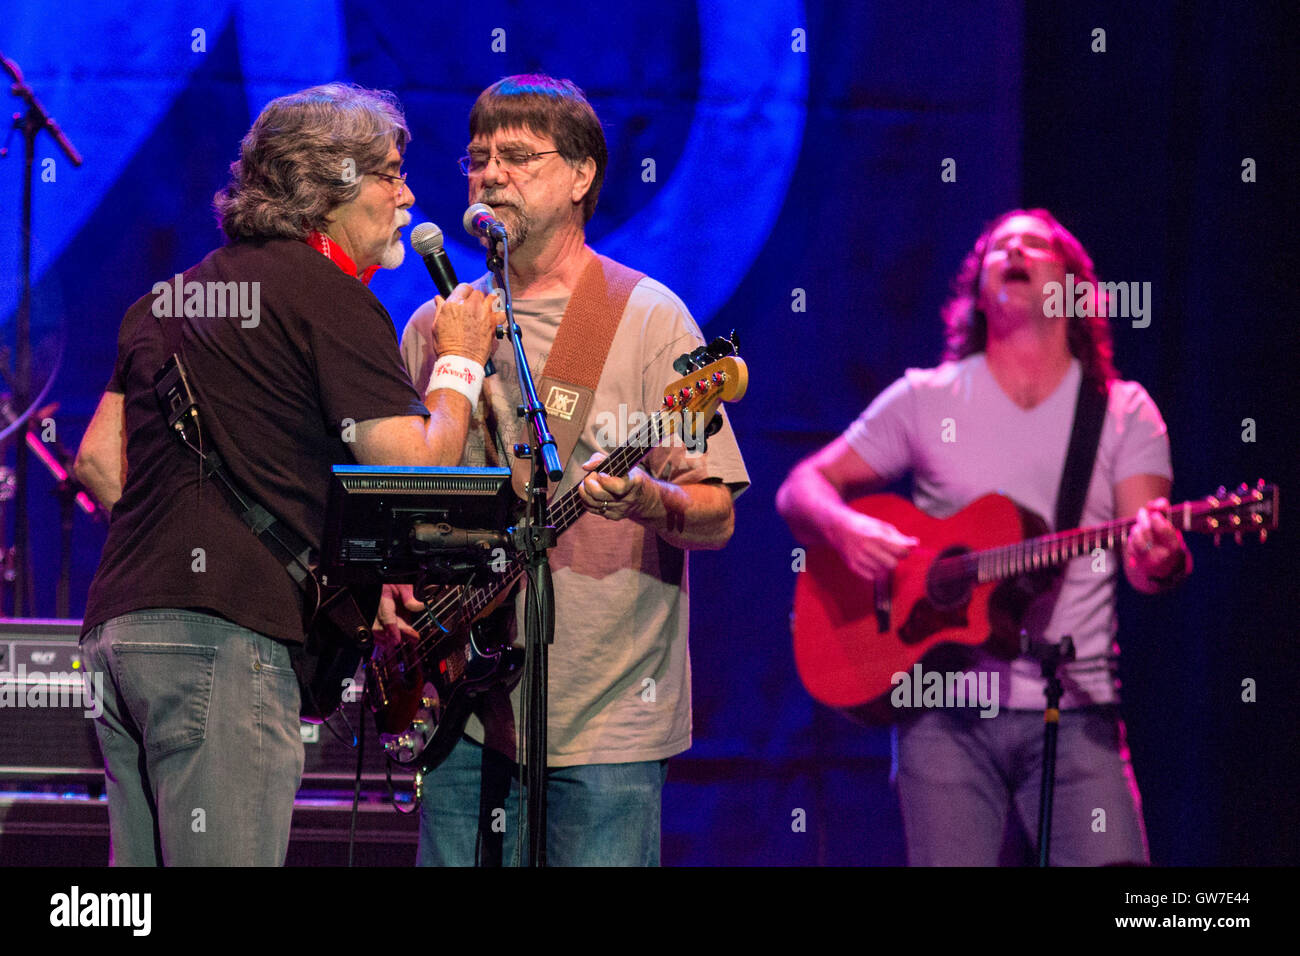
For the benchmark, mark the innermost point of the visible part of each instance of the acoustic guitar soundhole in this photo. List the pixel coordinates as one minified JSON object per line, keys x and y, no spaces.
{"x":949,"y":583}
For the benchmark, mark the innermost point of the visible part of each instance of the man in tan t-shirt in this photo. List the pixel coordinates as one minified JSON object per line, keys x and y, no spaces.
{"x":619,"y":669}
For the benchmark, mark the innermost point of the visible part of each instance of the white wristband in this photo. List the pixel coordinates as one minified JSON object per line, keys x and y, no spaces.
{"x":459,"y":374}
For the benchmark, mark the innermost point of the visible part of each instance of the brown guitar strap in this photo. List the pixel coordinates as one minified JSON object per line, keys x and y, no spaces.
{"x":1089,"y":414}
{"x":567,"y":385}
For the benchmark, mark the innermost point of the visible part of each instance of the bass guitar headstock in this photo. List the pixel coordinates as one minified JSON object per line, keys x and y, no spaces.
{"x":711,"y":375}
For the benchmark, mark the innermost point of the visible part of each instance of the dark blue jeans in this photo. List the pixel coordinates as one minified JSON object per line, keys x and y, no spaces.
{"x":596,"y":814}
{"x":201,"y":739}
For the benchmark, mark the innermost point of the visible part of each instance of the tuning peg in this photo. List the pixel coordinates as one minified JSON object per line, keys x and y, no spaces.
{"x":1222,"y":492}
{"x":1263,"y":535}
{"x":670,"y":401}
{"x":1243,"y":489}
{"x":1237,"y":536}
{"x":722,"y":347}
{"x":1216,"y":541}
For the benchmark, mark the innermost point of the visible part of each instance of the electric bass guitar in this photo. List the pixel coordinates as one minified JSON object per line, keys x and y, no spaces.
{"x":969,"y":582}
{"x":422,"y":690}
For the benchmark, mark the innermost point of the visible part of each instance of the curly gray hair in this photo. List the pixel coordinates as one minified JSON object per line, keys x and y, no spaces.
{"x":304,"y":157}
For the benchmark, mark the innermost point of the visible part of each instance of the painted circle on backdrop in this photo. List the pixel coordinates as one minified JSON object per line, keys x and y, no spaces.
{"x":708,"y":222}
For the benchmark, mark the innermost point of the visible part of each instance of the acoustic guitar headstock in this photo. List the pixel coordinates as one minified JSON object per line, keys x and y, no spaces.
{"x":1244,"y":511}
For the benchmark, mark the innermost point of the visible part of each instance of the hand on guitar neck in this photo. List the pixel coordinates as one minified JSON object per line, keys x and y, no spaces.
{"x":1155,"y":555}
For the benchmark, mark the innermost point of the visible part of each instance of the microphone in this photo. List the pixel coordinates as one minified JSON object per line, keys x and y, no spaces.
{"x":427,"y":536}
{"x":426,"y":240}
{"x":479,"y":221}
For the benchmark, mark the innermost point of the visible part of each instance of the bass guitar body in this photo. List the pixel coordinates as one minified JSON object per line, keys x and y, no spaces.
{"x":425,"y":700}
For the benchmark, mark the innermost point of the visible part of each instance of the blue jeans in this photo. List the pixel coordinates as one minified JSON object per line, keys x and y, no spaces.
{"x":201,"y":739}
{"x":969,"y":789}
{"x":596,"y":814}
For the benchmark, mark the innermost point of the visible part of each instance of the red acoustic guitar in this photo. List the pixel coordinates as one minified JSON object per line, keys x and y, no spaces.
{"x":968,"y":582}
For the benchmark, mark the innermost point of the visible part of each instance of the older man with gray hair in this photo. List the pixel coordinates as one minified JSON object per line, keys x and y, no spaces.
{"x":190,"y":617}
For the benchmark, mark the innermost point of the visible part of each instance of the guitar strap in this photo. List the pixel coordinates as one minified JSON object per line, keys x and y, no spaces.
{"x":1089,"y":414}
{"x":567,"y":386}
{"x":283,"y":542}
{"x":287,"y":546}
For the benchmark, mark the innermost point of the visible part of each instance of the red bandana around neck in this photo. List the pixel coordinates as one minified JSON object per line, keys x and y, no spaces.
{"x":331,"y":251}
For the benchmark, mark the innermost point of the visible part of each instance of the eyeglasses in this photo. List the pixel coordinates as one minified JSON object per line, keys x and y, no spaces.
{"x":1030,"y":250}
{"x":398,"y":181}
{"x":478,"y":159}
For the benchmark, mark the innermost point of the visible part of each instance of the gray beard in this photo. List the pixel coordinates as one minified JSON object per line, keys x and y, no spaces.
{"x":517,"y":226}
{"x":519,"y":233}
{"x":394,"y":255}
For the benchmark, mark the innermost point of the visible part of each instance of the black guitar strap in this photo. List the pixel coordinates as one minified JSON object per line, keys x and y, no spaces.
{"x":1089,"y":414}
{"x":282,"y":541}
{"x":179,"y":406}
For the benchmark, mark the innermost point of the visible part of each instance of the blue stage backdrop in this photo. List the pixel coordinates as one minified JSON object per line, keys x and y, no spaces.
{"x":809,"y":175}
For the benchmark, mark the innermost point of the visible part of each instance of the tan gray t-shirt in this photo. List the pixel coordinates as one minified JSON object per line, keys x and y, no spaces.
{"x":620,"y":666}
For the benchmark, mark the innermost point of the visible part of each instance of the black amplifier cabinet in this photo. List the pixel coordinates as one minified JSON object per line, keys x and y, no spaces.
{"x":46,"y":717}
{"x":52,"y":806}
{"x":46,"y":725}
{"x":73,"y":831}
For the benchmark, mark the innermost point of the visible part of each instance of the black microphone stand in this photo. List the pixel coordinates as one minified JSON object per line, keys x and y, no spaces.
{"x":32,"y":123}
{"x":1050,"y":657}
{"x":532,"y":538}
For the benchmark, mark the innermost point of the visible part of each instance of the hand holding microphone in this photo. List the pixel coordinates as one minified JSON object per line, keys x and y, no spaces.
{"x":466,"y":323}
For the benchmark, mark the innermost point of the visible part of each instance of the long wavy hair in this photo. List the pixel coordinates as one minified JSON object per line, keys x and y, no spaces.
{"x":304,"y":157}
{"x":556,"y":109}
{"x":966,"y":327}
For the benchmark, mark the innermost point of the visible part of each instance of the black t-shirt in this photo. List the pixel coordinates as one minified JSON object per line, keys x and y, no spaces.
{"x":275,"y":399}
